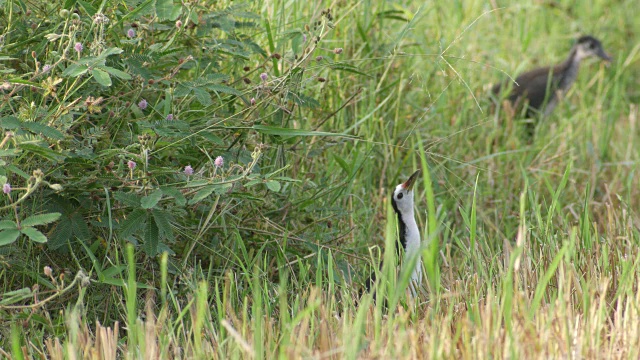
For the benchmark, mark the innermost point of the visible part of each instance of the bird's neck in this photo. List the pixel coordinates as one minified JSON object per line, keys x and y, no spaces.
{"x":570,"y":68}
{"x":409,"y":232}
{"x":410,"y":240}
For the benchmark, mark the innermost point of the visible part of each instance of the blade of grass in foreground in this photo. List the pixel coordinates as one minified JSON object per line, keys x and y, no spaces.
{"x":131,"y":298}
{"x":431,"y":256}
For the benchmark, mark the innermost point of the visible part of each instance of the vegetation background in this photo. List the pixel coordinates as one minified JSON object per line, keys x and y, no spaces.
{"x":210,"y":179}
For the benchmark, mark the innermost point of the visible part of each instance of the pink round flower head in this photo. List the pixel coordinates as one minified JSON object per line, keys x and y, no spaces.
{"x":178,"y":24}
{"x":188,"y":170}
{"x":131,"y":164}
{"x":304,"y":38}
{"x":169,"y":117}
{"x":142,"y":104}
{"x":131,"y":33}
{"x":219,"y":162}
{"x":253,"y":101}
{"x":6,"y":188}
{"x":78,"y":47}
{"x":46,"y":68}
{"x":264,"y":76}
{"x":337,"y":51}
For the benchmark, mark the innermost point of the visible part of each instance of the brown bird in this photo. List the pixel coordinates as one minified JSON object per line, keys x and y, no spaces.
{"x":541,"y":89}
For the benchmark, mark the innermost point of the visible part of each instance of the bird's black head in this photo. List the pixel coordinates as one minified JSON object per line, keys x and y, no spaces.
{"x":590,"y":46}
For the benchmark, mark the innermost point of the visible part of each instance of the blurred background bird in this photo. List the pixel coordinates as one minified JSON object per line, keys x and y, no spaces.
{"x":541,"y":89}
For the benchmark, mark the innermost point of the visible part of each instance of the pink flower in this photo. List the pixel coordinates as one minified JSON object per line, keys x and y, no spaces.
{"x":169,"y":117}
{"x":264,"y":76}
{"x":219,"y":162}
{"x":131,"y":164}
{"x":6,"y":188}
{"x":131,"y":33}
{"x":46,"y":68}
{"x":253,"y":101}
{"x":337,"y":51}
{"x":78,"y":47}
{"x":188,"y":170}
{"x":178,"y":24}
{"x":142,"y":104}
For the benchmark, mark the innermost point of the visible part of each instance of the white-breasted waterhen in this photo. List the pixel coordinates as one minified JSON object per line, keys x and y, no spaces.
{"x":409,"y":238}
{"x":541,"y":89}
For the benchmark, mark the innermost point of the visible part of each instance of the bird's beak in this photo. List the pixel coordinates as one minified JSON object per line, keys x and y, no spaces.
{"x":604,"y":56}
{"x":412,"y":180}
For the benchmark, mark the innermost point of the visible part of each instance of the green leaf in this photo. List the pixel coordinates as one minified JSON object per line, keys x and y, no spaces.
{"x":109,"y":52}
{"x":224,"y":89}
{"x":43,"y":151}
{"x":343,"y":164}
{"x":347,"y":68}
{"x":144,"y":8}
{"x":9,"y":122}
{"x":273,"y":185}
{"x":222,"y":188}
{"x":117,"y":73}
{"x":75,"y":70}
{"x":151,"y":238}
{"x":211,"y":137}
{"x":8,"y":224}
{"x":15,"y":296}
{"x":62,"y":234}
{"x":114,"y":271}
{"x":272,"y":130}
{"x":132,"y":223}
{"x":34,"y":234}
{"x":176,"y":194}
{"x":102,"y":77}
{"x":21,"y":81}
{"x":197,"y":183}
{"x":303,"y":100}
{"x":8,"y":236}
{"x":166,"y":10}
{"x":17,"y":170}
{"x":202,"y":193}
{"x":151,"y":200}
{"x":202,"y":96}
{"x":88,"y":7}
{"x":252,"y":183}
{"x":80,"y":227}
{"x":162,"y":221}
{"x":42,"y":129}
{"x":127,"y":198}
{"x":40,"y":219}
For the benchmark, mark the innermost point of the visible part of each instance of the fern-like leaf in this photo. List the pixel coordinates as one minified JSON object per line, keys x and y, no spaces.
{"x":134,"y":221}
{"x":34,"y":234}
{"x":41,"y":219}
{"x":151,"y":238}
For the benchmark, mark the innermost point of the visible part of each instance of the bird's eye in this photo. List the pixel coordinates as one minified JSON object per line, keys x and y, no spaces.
{"x":400,"y":196}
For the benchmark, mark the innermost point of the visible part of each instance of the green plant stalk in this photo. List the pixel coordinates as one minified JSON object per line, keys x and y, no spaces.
{"x":131,"y":298}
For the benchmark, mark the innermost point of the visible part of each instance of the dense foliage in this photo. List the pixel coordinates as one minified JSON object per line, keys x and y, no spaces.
{"x":166,"y":126}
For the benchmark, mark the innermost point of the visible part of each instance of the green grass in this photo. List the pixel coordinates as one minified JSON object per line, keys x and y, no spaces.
{"x":531,"y":248}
